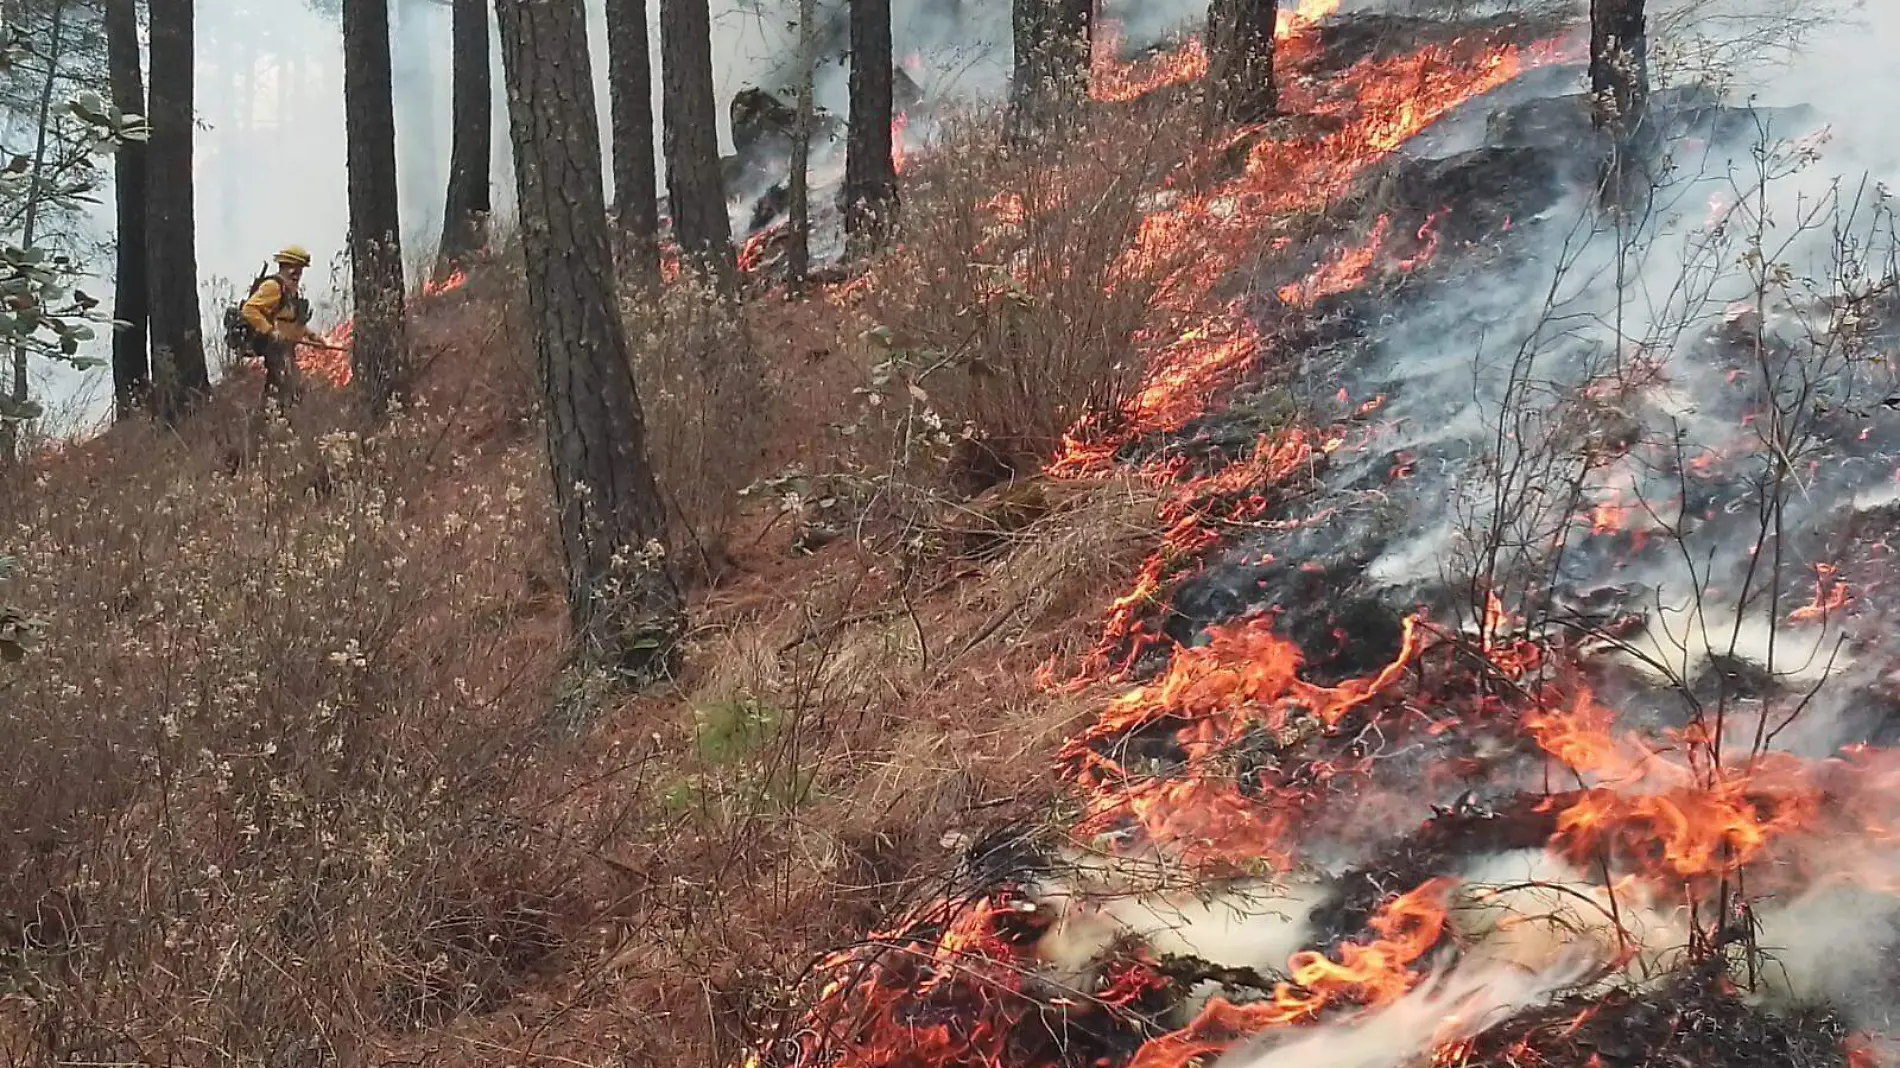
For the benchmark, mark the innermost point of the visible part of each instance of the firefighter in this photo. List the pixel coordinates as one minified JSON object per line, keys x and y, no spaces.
{"x":278,"y":318}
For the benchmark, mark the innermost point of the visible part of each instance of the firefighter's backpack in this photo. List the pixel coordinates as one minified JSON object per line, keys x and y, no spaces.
{"x":239,"y":337}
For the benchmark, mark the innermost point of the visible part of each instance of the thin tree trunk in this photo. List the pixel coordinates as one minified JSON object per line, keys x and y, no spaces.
{"x":622,"y":599}
{"x":131,"y":368}
{"x":798,"y":256}
{"x":377,"y":351}
{"x":870,"y":172}
{"x":1619,"y":96}
{"x":1619,"y":63}
{"x":694,"y":187}
{"x":465,"y":213}
{"x":172,"y":250}
{"x":55,"y":51}
{"x":636,"y":187}
{"x":1240,"y":42}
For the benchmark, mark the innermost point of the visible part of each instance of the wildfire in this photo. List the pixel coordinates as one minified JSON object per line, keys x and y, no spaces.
{"x":1244,"y":685}
{"x":1377,"y":104}
{"x":899,"y":123}
{"x":1830,"y":597}
{"x":1373,"y":973}
{"x":333,"y":365}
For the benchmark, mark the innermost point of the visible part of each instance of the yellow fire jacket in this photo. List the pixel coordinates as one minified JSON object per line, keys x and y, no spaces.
{"x":271,"y":315}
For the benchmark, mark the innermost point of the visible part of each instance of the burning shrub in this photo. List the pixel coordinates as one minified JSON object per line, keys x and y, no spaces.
{"x":1010,"y":308}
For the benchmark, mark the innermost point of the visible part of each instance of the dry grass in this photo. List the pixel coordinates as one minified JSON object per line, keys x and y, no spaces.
{"x":284,"y":787}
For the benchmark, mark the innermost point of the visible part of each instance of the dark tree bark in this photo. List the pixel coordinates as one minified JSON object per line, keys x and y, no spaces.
{"x":870,"y":171}
{"x":1619,"y":63}
{"x":695,"y":191}
{"x":377,"y":351}
{"x":1051,"y":39}
{"x":798,"y":256}
{"x":131,"y":368}
{"x":465,"y":214}
{"x":636,"y":187}
{"x":1240,"y":36}
{"x":623,"y":602}
{"x":172,"y":251}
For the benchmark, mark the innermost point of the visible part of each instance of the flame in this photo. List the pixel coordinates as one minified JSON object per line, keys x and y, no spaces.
{"x":1373,"y":973}
{"x":1830,"y":597}
{"x":752,"y":252}
{"x":333,"y":367}
{"x":899,"y":123}
{"x":1347,"y":272}
{"x":939,"y":993}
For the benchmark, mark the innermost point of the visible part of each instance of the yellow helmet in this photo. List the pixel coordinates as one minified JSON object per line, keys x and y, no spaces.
{"x":294,"y":256}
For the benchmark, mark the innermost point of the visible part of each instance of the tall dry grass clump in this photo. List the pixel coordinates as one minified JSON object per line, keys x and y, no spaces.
{"x":709,"y":415}
{"x":266,"y":756}
{"x":1020,"y":281}
{"x":285,"y":786}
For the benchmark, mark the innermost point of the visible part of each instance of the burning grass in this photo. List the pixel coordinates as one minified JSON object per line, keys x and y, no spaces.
{"x":287,"y":784}
{"x":309,"y":803}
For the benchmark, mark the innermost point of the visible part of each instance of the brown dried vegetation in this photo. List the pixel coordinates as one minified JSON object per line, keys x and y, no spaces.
{"x":286,"y":784}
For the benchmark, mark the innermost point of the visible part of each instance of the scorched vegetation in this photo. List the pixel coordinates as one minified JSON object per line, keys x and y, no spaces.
{"x":1399,"y":582}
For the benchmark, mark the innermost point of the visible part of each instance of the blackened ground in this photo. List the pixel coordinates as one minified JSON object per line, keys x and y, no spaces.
{"x":1695,"y":1020}
{"x":1462,"y":833}
{"x":1349,"y":39}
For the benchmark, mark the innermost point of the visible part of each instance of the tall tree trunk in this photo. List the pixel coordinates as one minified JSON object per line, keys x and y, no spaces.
{"x":695,"y":190}
{"x":636,"y":187}
{"x":1240,"y":38}
{"x":798,"y":256}
{"x":465,"y":214}
{"x":377,"y":351}
{"x":131,"y":369}
{"x":172,"y":250}
{"x":870,"y":172}
{"x":1051,"y":64}
{"x":621,"y":596}
{"x":1619,"y":63}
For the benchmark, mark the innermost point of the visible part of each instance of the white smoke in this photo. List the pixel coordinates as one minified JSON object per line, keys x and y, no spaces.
{"x":1447,"y":1008}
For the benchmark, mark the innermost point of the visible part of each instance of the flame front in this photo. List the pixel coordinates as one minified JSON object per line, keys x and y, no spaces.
{"x":332,"y":366}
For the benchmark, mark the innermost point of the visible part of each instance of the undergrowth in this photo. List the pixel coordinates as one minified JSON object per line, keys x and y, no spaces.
{"x":284,"y":787}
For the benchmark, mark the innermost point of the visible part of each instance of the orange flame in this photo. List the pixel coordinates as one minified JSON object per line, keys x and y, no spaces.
{"x":1830,"y":596}
{"x":333,"y":367}
{"x":1367,"y":974}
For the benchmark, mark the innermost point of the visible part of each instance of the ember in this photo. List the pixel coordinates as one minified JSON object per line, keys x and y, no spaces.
{"x":1542,"y":821}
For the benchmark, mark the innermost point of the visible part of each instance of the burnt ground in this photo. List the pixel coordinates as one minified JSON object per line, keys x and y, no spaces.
{"x":1695,"y":1019}
{"x":1489,"y":178}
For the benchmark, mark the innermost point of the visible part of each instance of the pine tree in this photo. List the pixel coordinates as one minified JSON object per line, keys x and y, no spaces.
{"x":870,"y":172}
{"x":466,"y":208}
{"x":377,"y":354}
{"x":622,"y":600}
{"x":172,"y":252}
{"x":1240,"y":36}
{"x":636,"y":187}
{"x":695,"y":189}
{"x":1051,"y":41}
{"x":131,"y":367}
